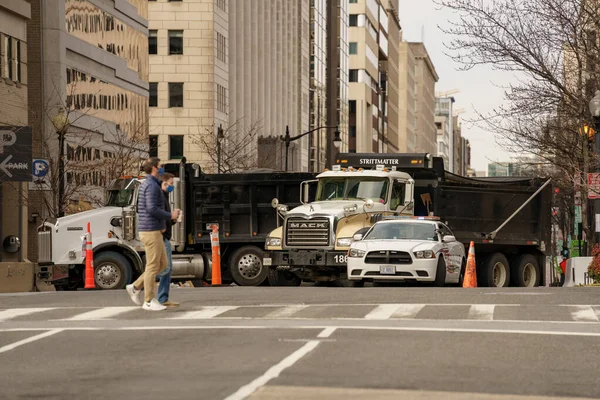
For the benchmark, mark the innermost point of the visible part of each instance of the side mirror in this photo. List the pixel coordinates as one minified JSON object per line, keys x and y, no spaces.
{"x":448,"y":239}
{"x":357,"y":237}
{"x":275,"y":202}
{"x":369,"y":204}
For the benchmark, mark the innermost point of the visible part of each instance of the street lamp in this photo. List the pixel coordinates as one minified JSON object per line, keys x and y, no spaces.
{"x":595,"y":111}
{"x":61,"y":125}
{"x":287,"y":139}
{"x":220,"y":137}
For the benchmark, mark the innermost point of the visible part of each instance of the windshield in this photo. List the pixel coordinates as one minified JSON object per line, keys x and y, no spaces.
{"x":404,"y":230}
{"x":353,"y":188}
{"x":120,"y":193}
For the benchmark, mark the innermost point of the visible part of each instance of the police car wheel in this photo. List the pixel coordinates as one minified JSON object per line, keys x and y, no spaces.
{"x":440,"y":273}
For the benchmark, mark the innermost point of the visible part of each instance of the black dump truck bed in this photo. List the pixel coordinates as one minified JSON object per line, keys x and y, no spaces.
{"x":240,"y":203}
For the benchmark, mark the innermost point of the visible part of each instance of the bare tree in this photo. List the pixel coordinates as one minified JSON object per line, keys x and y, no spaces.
{"x":235,"y":148}
{"x":552,"y":48}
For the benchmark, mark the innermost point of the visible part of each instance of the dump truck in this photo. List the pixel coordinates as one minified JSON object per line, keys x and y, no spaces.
{"x":240,"y":204}
{"x":508,"y":219}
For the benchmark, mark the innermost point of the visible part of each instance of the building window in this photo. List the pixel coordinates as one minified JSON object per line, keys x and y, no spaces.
{"x":173,"y":1}
{"x":353,"y":20}
{"x":175,"y":147}
{"x":353,"y":1}
{"x":221,"y":47}
{"x":353,"y":47}
{"x":222,"y":4}
{"x":153,"y":146}
{"x":175,"y":94}
{"x":153,"y":42}
{"x":175,"y":42}
{"x":352,"y":131}
{"x":352,"y":106}
{"x":153,"y":102}
{"x":353,"y":75}
{"x":221,"y":98}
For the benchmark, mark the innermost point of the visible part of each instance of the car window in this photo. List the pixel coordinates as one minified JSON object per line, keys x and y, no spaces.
{"x":407,"y":231}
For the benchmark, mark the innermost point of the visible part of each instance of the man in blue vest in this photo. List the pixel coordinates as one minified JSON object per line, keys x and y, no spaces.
{"x":152,"y":218}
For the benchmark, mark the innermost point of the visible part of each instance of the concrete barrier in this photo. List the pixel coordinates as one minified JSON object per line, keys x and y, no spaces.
{"x":16,"y":277}
{"x":576,"y":269}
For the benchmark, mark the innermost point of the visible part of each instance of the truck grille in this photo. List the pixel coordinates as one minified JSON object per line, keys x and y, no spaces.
{"x":307,"y":232}
{"x":44,"y":246}
{"x":388,"y":257}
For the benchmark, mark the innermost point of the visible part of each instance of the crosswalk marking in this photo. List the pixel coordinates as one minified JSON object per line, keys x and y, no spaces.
{"x":102,"y":313}
{"x":19,"y":312}
{"x":206,"y":312}
{"x":286,"y":311}
{"x":407,"y":311}
{"x":383,"y":311}
{"x":584,"y":313}
{"x":482,"y":312}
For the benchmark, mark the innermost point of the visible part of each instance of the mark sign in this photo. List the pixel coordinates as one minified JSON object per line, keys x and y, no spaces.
{"x":15,"y":153}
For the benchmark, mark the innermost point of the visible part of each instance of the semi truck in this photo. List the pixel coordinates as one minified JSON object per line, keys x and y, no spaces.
{"x":508,"y":219}
{"x":240,"y":204}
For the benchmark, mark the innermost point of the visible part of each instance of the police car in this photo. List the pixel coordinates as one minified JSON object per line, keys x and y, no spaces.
{"x":400,"y":249}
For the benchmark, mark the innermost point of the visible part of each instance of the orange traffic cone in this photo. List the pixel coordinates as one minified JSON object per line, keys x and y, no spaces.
{"x":89,"y":260}
{"x":470,"y":279}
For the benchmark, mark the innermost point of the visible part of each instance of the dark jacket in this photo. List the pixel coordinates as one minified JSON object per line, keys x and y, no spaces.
{"x":169,"y":232}
{"x":152,"y":215}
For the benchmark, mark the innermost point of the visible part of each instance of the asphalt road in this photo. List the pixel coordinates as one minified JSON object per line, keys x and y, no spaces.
{"x":303,"y":343}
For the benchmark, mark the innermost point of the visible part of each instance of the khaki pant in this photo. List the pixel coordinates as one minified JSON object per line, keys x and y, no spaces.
{"x":156,"y":261}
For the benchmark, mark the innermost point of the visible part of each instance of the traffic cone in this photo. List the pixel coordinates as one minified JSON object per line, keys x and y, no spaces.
{"x":470,"y":279}
{"x":216,"y":256}
{"x":89,"y":260}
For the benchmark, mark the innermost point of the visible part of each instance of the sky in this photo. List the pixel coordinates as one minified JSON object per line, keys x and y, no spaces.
{"x":480,"y":88}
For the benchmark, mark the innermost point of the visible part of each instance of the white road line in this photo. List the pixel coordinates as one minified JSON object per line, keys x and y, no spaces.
{"x":407,"y":311}
{"x":286,"y":311}
{"x":273,"y":372}
{"x":19,"y":312}
{"x":206,"y":312}
{"x":383,"y":311}
{"x":327,"y":332}
{"x":102,"y":313}
{"x":12,"y":346}
{"x":584,"y":313}
{"x":482,"y":312}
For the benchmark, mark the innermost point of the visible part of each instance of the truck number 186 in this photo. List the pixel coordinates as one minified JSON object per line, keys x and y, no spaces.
{"x":341,"y":259}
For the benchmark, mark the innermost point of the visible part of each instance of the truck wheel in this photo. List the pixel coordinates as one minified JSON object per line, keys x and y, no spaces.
{"x":525,"y":271}
{"x":111,"y":270}
{"x":246,"y":267}
{"x":440,"y":273}
{"x":495,"y":271}
{"x":283,"y":278}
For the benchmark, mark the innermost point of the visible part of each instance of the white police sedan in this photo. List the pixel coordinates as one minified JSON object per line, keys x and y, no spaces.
{"x":402,"y":249}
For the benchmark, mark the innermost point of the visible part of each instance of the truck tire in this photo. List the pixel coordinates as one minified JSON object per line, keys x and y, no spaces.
{"x":525,"y":271}
{"x":112,"y":270}
{"x":440,"y":273}
{"x":495,"y":271}
{"x":246,"y":266}
{"x":283,"y":278}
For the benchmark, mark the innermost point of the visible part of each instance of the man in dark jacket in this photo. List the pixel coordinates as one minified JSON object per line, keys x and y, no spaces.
{"x":168,"y":185}
{"x":152,"y":219}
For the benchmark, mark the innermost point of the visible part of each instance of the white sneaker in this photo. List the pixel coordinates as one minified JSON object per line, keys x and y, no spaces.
{"x":153,"y":305}
{"x":135,"y":294}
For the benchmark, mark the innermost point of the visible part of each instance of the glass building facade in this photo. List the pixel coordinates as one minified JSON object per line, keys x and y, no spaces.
{"x":318,"y":84}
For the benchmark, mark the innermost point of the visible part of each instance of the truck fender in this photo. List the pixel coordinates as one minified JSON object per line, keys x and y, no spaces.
{"x":128,"y":251}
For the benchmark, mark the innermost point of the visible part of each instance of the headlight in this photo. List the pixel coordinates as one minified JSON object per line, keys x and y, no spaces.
{"x":356,"y":253}
{"x":425,"y":254}
{"x":273,"y":242}
{"x":344,"y":242}
{"x":350,"y":209}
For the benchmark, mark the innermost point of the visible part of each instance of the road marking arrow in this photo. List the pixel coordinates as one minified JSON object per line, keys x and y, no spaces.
{"x":4,"y":168}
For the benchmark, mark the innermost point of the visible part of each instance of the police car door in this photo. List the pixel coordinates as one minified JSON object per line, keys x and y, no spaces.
{"x":455,"y":251}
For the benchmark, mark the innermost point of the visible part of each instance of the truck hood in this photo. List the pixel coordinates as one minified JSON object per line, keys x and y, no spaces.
{"x":80,"y":220}
{"x":334,"y":208}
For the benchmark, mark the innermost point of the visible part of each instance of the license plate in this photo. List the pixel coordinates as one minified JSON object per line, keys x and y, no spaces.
{"x":267,"y":262}
{"x":387,"y":270}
